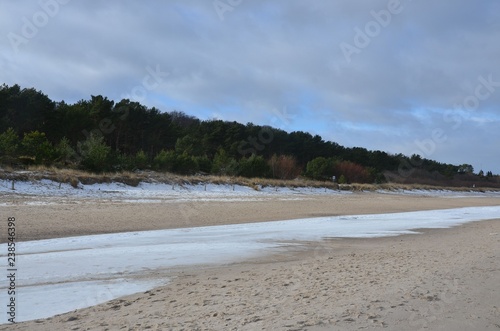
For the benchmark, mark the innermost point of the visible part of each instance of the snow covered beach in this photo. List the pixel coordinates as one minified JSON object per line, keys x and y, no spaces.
{"x":48,"y":191}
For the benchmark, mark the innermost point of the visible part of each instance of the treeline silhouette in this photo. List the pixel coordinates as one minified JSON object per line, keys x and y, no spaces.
{"x":102,"y":135}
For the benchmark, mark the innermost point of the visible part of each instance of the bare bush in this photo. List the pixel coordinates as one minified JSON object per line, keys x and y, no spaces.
{"x":284,"y":167}
{"x":353,"y":172}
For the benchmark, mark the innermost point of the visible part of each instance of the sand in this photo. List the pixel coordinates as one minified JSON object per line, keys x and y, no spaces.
{"x":92,"y":216}
{"x":444,"y":279}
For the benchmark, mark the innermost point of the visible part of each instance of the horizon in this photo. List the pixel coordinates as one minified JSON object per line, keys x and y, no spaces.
{"x":397,"y":76}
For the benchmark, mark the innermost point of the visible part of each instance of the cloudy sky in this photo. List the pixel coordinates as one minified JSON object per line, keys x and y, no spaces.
{"x":410,"y":76}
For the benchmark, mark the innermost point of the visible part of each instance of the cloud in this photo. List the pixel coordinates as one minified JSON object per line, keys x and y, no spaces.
{"x":263,"y":56}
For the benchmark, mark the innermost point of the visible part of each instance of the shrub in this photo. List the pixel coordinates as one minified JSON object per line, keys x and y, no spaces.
{"x":35,"y":146}
{"x":254,"y":166}
{"x":223,"y":164}
{"x":65,"y":153}
{"x":140,"y":160}
{"x":284,"y":167}
{"x":9,"y":142}
{"x":94,"y":153}
{"x":185,"y":164}
{"x":164,"y":160}
{"x":204,"y":163}
{"x":352,"y":172}
{"x":122,"y":162}
{"x":320,"y":168}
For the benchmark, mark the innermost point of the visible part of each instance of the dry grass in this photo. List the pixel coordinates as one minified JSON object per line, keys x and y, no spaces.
{"x":423,"y":178}
{"x":75,"y":177}
{"x":71,"y":176}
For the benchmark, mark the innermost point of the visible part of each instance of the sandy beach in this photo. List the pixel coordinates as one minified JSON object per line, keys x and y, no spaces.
{"x":93,"y":216}
{"x":443,"y":279}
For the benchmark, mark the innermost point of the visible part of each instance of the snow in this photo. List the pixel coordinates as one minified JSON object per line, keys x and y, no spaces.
{"x":59,"y":275}
{"x":47,"y":192}
{"x":52,"y":192}
{"x":45,"y":301}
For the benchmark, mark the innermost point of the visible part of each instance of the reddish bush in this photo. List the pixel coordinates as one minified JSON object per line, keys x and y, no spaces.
{"x":284,"y":167}
{"x":353,"y":172}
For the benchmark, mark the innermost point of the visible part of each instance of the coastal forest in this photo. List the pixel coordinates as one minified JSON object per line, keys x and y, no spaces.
{"x":99,"y":135}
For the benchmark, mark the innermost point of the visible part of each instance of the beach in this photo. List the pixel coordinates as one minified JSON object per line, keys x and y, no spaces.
{"x":77,"y":217}
{"x":439,"y":279}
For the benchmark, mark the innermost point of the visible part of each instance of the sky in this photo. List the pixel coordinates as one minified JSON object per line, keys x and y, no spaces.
{"x":411,"y":76}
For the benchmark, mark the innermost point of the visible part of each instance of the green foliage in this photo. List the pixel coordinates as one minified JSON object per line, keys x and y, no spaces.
{"x":9,"y":143}
{"x":188,"y":145}
{"x":223,"y":164}
{"x":185,"y":164}
{"x":320,"y":168}
{"x":342,"y":179}
{"x":204,"y":164}
{"x":449,"y":171}
{"x":465,"y":169}
{"x":122,"y":162}
{"x":180,"y":163}
{"x":65,"y":153}
{"x":95,"y":154}
{"x":24,"y":109}
{"x":254,"y":166}
{"x":35,"y":146}
{"x":379,"y":178}
{"x":164,"y":160}
{"x":126,"y":135}
{"x":140,"y":160}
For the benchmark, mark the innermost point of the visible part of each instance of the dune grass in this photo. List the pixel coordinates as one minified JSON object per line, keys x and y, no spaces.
{"x":74,"y":177}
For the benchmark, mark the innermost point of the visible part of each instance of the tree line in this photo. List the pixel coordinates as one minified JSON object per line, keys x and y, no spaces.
{"x":102,"y":135}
